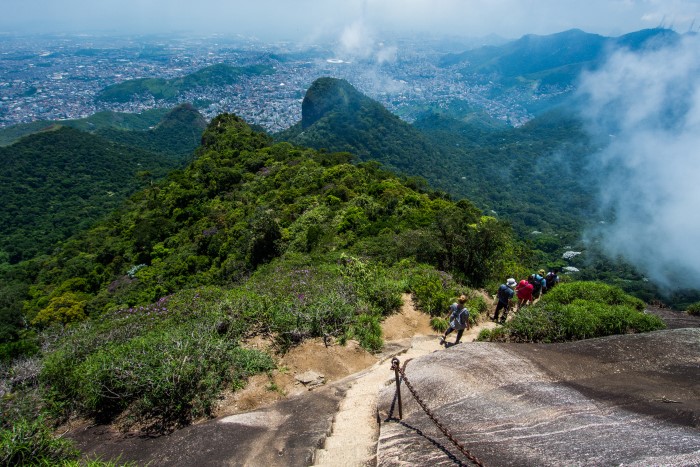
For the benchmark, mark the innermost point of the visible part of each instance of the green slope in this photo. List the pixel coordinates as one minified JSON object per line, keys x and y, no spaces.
{"x":56,"y":183}
{"x":337,"y":117}
{"x":169,"y":89}
{"x":98,"y":121}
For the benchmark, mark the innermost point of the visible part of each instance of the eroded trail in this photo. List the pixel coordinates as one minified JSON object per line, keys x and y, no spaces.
{"x":353,"y":439}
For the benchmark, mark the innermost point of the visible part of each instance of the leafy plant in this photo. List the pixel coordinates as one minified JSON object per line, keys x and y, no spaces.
{"x":31,"y":442}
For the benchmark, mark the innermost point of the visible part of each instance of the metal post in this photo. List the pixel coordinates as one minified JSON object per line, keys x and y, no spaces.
{"x":395,"y":366}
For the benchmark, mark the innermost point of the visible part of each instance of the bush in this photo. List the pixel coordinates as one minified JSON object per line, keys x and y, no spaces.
{"x":439,"y":324}
{"x":368,"y":332}
{"x":165,"y":377}
{"x":433,"y":291}
{"x":694,"y":309}
{"x":566,"y":293}
{"x":31,"y":442}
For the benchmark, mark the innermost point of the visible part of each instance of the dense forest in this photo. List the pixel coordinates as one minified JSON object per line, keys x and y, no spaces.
{"x":60,"y":180}
{"x":539,"y":178}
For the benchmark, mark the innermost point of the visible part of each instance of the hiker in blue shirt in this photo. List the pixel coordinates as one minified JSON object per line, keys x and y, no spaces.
{"x":538,"y":283}
{"x":505,"y":293}
{"x":459,"y":319}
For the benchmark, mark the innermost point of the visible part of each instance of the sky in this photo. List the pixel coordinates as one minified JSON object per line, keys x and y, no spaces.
{"x":647,"y":106}
{"x":310,"y":20}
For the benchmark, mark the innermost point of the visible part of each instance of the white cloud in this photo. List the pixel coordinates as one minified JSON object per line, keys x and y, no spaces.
{"x":649,"y":104}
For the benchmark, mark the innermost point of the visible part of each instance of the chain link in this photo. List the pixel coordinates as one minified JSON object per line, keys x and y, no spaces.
{"x":395,"y":366}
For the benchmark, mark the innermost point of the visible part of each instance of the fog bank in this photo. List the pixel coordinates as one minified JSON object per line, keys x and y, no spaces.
{"x":647,"y":105}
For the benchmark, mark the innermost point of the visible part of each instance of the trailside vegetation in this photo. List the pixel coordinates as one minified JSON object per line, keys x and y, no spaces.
{"x":574,"y":311}
{"x":143,"y":319}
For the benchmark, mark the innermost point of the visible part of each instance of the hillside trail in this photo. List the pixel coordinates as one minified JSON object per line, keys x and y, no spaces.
{"x":355,"y":430}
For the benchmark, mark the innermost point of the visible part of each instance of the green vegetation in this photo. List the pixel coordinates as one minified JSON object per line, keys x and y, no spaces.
{"x":59,"y":182}
{"x":32,"y":443}
{"x":694,"y":309}
{"x":169,"y":89}
{"x":143,"y":319}
{"x":577,"y":310}
{"x":100,"y":121}
{"x":337,"y":117}
{"x":536,"y":177}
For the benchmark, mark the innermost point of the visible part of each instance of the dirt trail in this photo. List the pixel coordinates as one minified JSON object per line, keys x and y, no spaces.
{"x":353,"y":440}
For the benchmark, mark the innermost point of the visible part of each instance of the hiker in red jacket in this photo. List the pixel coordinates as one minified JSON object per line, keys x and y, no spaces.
{"x":524,"y":293}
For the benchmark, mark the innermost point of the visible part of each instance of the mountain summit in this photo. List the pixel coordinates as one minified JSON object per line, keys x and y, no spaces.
{"x":328,"y":95}
{"x":338,"y":117}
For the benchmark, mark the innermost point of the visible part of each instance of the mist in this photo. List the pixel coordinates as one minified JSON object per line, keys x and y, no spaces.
{"x":647,"y":106}
{"x":309,"y":20}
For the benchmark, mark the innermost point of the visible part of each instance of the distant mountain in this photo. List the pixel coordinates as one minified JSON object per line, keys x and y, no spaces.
{"x":95,"y":122}
{"x":548,"y":65}
{"x":177,"y":134}
{"x":169,"y":89}
{"x":60,"y":180}
{"x":337,"y":117}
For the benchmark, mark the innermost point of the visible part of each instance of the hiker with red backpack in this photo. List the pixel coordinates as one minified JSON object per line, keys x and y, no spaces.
{"x":524,"y":293}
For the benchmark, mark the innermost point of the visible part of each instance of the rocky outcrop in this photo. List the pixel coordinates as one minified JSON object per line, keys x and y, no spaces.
{"x":632,"y":400}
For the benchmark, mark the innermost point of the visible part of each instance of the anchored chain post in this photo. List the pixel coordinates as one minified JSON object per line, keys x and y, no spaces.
{"x":399,"y":371}
{"x":395,"y":367}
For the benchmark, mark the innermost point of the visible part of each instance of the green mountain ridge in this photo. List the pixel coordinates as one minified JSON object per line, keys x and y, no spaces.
{"x":101,"y":120}
{"x":169,"y":89}
{"x":337,"y":117}
{"x":539,"y":72}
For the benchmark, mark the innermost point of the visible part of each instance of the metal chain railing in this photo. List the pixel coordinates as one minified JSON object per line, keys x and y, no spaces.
{"x":401,"y":371}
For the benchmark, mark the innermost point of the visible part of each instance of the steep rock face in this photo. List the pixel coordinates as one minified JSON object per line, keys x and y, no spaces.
{"x":624,"y":399}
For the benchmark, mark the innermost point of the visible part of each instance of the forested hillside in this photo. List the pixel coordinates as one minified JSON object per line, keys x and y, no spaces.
{"x":59,"y":181}
{"x":337,"y":117}
{"x":251,"y":238}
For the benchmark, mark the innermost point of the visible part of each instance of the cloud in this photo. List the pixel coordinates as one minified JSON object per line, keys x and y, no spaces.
{"x":647,"y":105}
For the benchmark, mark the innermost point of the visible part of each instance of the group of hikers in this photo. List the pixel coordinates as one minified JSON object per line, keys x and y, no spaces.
{"x":527,"y":292}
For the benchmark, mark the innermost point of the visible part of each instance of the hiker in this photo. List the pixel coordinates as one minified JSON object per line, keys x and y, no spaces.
{"x":459,"y":319}
{"x":524,"y":293}
{"x":538,"y":283}
{"x":552,"y":279}
{"x":505,"y":293}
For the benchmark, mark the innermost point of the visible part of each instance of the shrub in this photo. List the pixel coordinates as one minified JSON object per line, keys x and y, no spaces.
{"x":31,"y":442}
{"x":484,"y":335}
{"x":368,"y":332}
{"x":166,"y":377}
{"x":566,"y":293}
{"x":439,"y":324}
{"x":434,"y":292}
{"x":477,"y":304}
{"x":694,"y":309}
{"x":563,"y":316}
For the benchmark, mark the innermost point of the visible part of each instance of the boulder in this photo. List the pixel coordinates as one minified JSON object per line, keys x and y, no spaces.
{"x":631,"y":399}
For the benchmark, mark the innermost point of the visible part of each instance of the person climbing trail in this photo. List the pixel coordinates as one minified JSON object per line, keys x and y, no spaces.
{"x":459,"y":319}
{"x":505,"y":294}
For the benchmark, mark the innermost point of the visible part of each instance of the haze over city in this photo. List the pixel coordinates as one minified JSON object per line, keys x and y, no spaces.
{"x":309,"y":20}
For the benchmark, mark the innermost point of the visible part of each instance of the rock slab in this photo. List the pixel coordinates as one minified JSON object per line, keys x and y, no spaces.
{"x":619,"y":400}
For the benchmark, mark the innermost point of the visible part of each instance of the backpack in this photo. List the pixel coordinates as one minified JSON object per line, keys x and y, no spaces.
{"x":536,"y":281}
{"x":551,"y":279}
